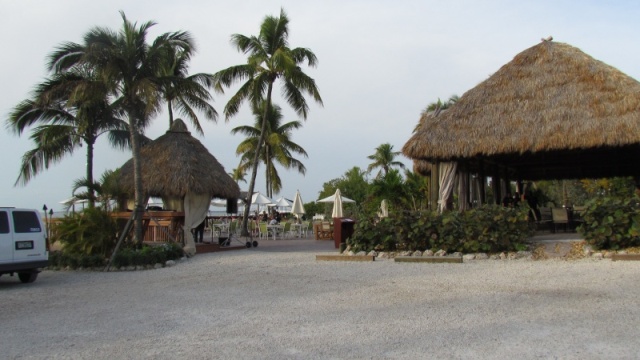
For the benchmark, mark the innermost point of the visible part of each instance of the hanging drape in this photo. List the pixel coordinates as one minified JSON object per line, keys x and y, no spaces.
{"x":447,"y":171}
{"x":196,"y":207}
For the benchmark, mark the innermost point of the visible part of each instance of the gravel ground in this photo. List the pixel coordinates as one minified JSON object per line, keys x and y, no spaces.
{"x":278,"y":302}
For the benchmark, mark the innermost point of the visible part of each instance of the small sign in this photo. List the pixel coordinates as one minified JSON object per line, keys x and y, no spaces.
{"x":24,"y":245}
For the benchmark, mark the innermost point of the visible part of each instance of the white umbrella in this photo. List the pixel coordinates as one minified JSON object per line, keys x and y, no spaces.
{"x":332,"y":198}
{"x":259,"y":199}
{"x":337,"y":206}
{"x":282,"y":202}
{"x":298,"y":207}
{"x":384,"y":209}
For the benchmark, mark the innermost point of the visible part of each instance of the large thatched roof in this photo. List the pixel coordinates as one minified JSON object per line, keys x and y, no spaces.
{"x":176,"y":163}
{"x":552,"y":112}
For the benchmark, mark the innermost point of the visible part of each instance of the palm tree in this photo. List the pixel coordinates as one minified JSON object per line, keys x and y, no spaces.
{"x":277,"y":148}
{"x":269,"y":59}
{"x":133,"y":69}
{"x":238,"y":175}
{"x":384,"y":158}
{"x":70,"y":109}
{"x":440,"y":105}
{"x":186,"y":93}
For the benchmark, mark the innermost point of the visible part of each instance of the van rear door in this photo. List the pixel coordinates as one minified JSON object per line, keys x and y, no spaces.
{"x":29,"y":243}
{"x":6,"y":240}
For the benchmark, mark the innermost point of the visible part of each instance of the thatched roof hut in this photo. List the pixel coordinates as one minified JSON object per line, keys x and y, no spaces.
{"x":177,"y":163}
{"x":553,"y":112}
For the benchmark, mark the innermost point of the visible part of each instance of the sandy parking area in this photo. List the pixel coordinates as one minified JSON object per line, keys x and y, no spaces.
{"x":278,"y":302}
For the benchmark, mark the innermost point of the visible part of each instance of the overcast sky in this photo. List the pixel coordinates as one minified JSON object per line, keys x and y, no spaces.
{"x":380,"y":64}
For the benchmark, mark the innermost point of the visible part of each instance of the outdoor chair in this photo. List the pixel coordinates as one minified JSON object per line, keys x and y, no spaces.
{"x":560,"y":217}
{"x":545,"y":219}
{"x":286,"y":230}
{"x":263,"y":231}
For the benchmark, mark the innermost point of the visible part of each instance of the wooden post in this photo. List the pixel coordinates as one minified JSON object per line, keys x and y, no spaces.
{"x":495,"y":185}
{"x":434,"y":186}
{"x":482,"y":177}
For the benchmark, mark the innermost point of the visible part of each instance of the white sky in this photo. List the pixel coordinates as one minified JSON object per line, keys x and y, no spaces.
{"x":380,"y":64}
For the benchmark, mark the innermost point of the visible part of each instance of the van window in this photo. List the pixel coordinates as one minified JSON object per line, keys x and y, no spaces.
{"x":26,"y":222}
{"x":4,"y":222}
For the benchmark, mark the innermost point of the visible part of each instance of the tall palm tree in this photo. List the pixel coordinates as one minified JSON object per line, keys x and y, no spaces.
{"x":277,"y":147}
{"x":384,"y":158}
{"x":269,"y":59}
{"x":133,"y":68}
{"x":70,"y":109}
{"x":186,"y":93}
{"x":238,"y":175}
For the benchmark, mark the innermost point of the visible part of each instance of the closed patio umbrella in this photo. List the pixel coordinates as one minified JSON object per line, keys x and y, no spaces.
{"x":337,"y":206}
{"x":297,"y":208}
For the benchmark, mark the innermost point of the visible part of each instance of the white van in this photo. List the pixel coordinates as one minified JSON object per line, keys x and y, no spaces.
{"x":23,"y":243}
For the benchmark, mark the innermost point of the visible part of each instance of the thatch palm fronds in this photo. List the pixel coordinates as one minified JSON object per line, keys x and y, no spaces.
{"x":177,"y":163}
{"x":551,"y":96}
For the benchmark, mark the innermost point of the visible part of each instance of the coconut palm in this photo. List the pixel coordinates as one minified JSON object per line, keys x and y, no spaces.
{"x":269,"y":59}
{"x":185,"y":93}
{"x":384,"y":158}
{"x":238,"y":175}
{"x":277,"y":147}
{"x":70,"y":109}
{"x":133,"y":68}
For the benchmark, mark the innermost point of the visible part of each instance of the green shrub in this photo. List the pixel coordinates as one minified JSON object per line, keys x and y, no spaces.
{"x":489,"y":228}
{"x":147,"y":255}
{"x":612,"y":223}
{"x":90,"y":232}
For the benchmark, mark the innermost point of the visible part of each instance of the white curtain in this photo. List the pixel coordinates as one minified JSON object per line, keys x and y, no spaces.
{"x":196,"y":207}
{"x":447,"y":171}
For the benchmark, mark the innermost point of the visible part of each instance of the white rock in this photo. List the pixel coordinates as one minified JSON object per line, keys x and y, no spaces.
{"x":597,"y":256}
{"x":170,"y":263}
{"x":440,"y":253}
{"x":383,"y":255}
{"x":349,"y":253}
{"x":417,"y":253}
{"x":427,"y":253}
{"x":466,"y":257}
{"x":361,"y":253}
{"x":456,"y":254}
{"x":372,"y":253}
{"x":482,"y":256}
{"x":157,"y":266}
{"x":502,"y":256}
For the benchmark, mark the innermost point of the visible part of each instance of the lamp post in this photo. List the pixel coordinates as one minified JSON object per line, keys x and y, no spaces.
{"x":46,"y":221}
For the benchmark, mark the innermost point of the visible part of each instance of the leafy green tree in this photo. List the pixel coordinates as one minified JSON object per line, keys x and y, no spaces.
{"x":384,"y":158}
{"x":441,"y":105}
{"x":133,"y":69}
{"x":238,"y":175}
{"x":269,"y":59}
{"x":416,"y":191}
{"x":277,"y":148}
{"x":186,"y":93}
{"x":68,"y":110}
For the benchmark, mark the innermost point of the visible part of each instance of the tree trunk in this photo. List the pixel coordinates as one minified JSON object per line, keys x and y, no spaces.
{"x":90,"y":189}
{"x":137,"y":178}
{"x":254,"y":171}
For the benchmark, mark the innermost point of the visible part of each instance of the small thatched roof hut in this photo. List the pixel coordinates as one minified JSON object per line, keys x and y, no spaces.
{"x":177,"y":163}
{"x":553,"y":112}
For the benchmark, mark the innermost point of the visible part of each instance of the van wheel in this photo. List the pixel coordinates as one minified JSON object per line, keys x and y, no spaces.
{"x":28,"y":277}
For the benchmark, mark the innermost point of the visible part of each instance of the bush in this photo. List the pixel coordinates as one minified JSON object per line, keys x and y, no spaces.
{"x":612,"y":223}
{"x":90,"y":232}
{"x":489,"y":228}
{"x":147,"y":255}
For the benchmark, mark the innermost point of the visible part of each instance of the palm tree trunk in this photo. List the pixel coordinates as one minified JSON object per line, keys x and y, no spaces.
{"x":137,"y":178}
{"x":169,"y":107}
{"x":254,"y":170}
{"x":90,"y":188}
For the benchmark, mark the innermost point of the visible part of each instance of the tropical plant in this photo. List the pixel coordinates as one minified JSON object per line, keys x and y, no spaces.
{"x":440,"y":105}
{"x":612,"y":222}
{"x":90,"y":232}
{"x":269,"y":59}
{"x":277,"y":147}
{"x":238,"y":175}
{"x":384,"y":158}
{"x":68,"y":110}
{"x":185,"y":93}
{"x":132,"y":68}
